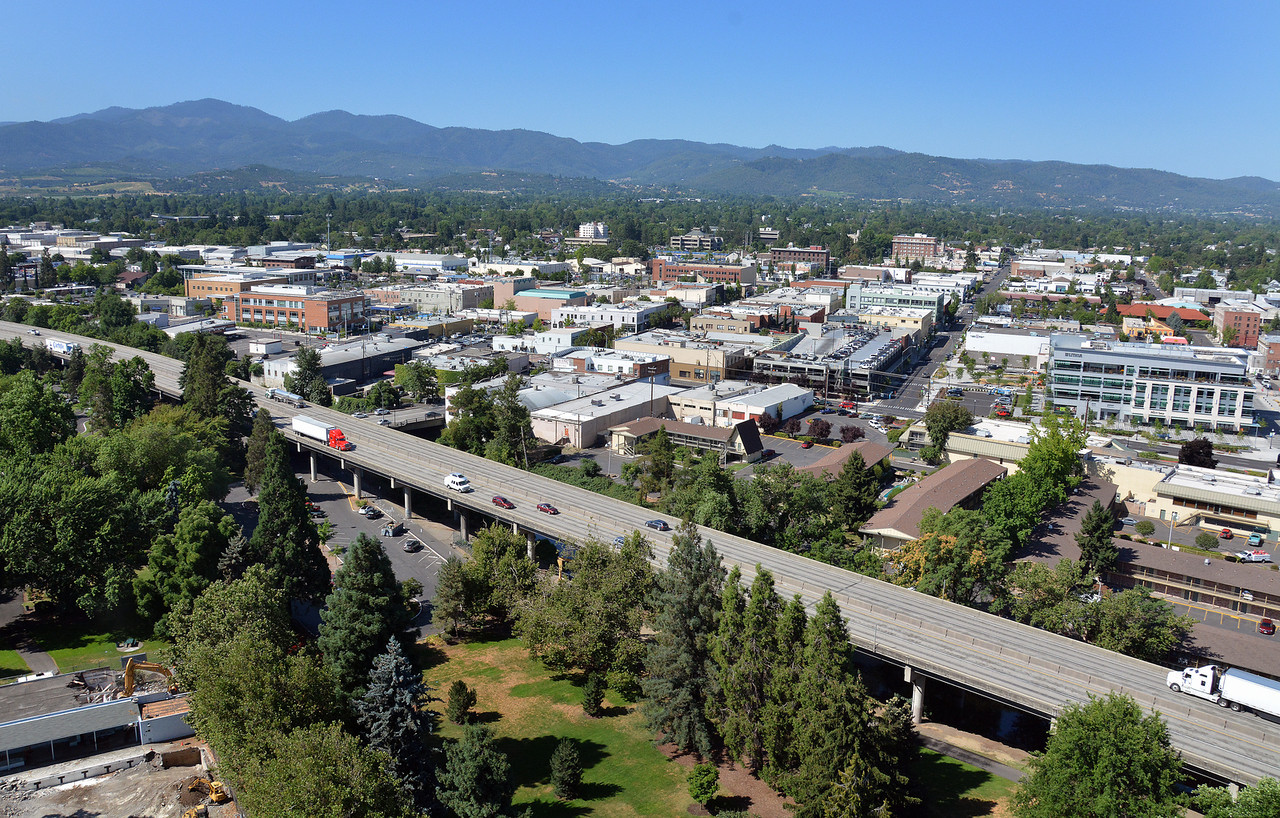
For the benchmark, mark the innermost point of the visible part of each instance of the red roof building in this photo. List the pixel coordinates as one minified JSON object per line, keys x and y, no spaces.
{"x":1160,"y":311}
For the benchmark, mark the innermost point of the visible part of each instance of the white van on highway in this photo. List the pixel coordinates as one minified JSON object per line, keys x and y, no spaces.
{"x":458,"y":482}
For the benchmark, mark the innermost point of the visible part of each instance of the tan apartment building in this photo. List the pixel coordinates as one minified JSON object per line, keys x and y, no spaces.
{"x":693,"y":359}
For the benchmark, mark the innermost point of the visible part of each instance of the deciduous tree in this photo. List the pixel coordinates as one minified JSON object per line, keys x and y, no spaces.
{"x":1104,"y":758}
{"x":1198,"y":452}
{"x":944,"y":417}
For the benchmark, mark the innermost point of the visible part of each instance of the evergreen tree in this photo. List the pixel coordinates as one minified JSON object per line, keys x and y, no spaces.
{"x":236,"y":557}
{"x":566,"y":769}
{"x":832,"y":707}
{"x":461,"y":699}
{"x":852,"y":495}
{"x":726,"y":652}
{"x":680,"y":685}
{"x":1098,"y":550}
{"x":307,"y":379}
{"x":779,"y":717}
{"x":285,"y":539}
{"x":363,"y":611}
{"x":744,"y":686}
{"x":593,"y":694}
{"x":476,"y":779}
{"x":46,"y":275}
{"x":393,"y":719}
{"x":453,"y":600}
{"x":511,"y":425}
{"x":661,"y":462}
{"x":73,"y":371}
{"x":182,"y":564}
{"x":256,"y":453}
{"x":204,"y":375}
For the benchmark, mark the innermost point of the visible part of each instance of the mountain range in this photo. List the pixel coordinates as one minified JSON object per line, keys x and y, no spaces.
{"x":188,"y":138}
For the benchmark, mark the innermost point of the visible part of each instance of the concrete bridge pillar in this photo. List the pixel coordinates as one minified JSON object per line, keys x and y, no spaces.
{"x":313,"y":467}
{"x":529,"y":542}
{"x":463,"y":524}
{"x":355,"y":480}
{"x":408,"y":503}
{"x":1234,"y":789}
{"x":917,"y":682}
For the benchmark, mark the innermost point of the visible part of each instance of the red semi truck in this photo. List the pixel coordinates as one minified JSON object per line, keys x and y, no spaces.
{"x":327,"y":433}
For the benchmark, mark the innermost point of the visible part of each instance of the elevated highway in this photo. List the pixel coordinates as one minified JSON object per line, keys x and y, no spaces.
{"x":1031,"y":669}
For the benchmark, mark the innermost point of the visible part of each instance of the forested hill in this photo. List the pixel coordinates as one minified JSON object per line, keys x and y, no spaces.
{"x":200,"y":136}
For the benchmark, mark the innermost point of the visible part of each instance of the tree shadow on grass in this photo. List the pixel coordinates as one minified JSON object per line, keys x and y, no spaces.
{"x":546,"y":808}
{"x":940,"y":784}
{"x":486,"y":717}
{"x":531,"y":763}
{"x":429,"y":655}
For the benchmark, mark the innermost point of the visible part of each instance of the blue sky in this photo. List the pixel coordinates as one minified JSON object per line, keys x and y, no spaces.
{"x":1192,"y":88}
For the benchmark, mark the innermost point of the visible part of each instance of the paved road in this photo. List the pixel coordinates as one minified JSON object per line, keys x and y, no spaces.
{"x":1028,"y":668}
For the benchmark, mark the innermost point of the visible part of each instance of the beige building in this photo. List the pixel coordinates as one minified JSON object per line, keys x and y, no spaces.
{"x":693,"y":359}
{"x":914,"y":320}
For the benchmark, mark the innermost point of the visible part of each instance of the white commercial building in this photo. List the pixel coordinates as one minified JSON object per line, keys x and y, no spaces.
{"x":1014,"y":345}
{"x":1178,"y":385}
{"x":630,"y":318}
{"x":584,"y":422}
{"x":547,"y":342}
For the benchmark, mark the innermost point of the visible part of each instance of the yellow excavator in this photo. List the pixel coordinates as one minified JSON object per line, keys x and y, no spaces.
{"x":132,"y":667}
{"x":217,"y":792}
{"x":198,"y":811}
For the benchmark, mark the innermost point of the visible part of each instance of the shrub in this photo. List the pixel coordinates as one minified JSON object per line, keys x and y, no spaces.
{"x":1206,"y":541}
{"x":1145,"y":527}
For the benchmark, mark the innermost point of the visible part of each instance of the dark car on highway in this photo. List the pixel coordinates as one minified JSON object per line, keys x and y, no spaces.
{"x":658,"y":525}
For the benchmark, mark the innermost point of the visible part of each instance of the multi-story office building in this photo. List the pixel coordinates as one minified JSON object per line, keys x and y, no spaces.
{"x":788,"y":257}
{"x":308,"y":308}
{"x":698,"y":241}
{"x":629,"y":318}
{"x":917,"y":247}
{"x":666,"y":271}
{"x":1178,"y":385}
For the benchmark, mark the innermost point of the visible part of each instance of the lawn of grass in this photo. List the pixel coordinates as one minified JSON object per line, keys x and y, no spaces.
{"x":530,"y":708}
{"x":11,"y":664}
{"x":952,"y":789}
{"x":77,"y":643}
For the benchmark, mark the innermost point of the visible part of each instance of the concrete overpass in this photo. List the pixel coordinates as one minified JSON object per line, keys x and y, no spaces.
{"x":1030,"y":669}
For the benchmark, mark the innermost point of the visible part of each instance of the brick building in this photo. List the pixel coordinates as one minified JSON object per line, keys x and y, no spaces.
{"x":1243,"y":318}
{"x":916,"y":247}
{"x":306,"y":307}
{"x":665,"y":272}
{"x":790,"y":256}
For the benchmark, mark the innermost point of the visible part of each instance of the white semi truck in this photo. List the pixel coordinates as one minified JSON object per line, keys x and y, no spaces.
{"x":1237,"y":689}
{"x":327,"y":433}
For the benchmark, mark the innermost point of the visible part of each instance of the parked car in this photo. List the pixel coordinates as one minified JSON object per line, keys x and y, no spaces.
{"x":658,"y":525}
{"x":1128,"y":521}
{"x":808,"y":444}
{"x":1225,"y":534}
{"x":1266,"y":627}
{"x":1255,"y":539}
{"x":359,"y":415}
{"x":547,"y":508}
{"x":560,"y":458}
{"x":410,"y":546}
{"x":828,"y":411}
{"x":767,"y":453}
{"x":502,"y":502}
{"x":1003,"y":413}
{"x":1253,"y":556}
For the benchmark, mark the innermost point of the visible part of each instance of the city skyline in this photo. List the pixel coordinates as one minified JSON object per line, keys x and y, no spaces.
{"x":1092,"y":84}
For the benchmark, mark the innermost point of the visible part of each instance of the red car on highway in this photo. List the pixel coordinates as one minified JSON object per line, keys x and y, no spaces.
{"x":547,"y":508}
{"x":502,"y":502}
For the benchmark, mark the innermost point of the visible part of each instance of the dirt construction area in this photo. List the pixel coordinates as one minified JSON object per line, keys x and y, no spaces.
{"x":147,"y":790}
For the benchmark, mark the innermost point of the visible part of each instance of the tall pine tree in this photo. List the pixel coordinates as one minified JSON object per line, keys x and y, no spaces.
{"x":681,"y":681}
{"x":1098,"y":550}
{"x":832,"y":708}
{"x":393,"y":719}
{"x":285,"y":539}
{"x":256,"y":454}
{"x":779,"y":717}
{"x":745,"y":684}
{"x":363,"y":611}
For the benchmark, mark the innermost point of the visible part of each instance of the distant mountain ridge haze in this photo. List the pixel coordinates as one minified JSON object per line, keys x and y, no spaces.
{"x":206,"y":135}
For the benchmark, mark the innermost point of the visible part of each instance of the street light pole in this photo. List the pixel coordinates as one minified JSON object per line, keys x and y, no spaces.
{"x":1173,"y":518}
